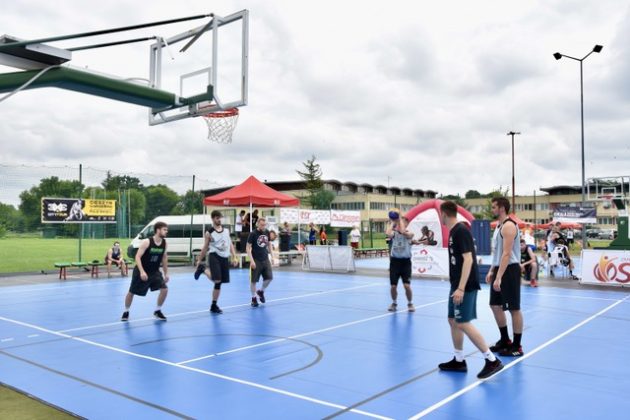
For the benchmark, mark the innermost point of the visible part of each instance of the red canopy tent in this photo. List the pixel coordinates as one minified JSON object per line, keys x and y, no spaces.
{"x":563,"y":225}
{"x":251,"y":192}
{"x":520,"y":223}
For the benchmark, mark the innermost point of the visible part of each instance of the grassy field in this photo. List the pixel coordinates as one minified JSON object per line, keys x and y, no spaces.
{"x":28,"y":254}
{"x":16,"y":406}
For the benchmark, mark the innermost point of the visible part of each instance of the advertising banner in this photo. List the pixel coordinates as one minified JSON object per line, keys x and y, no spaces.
{"x":319,"y":217}
{"x":429,"y":261}
{"x":569,"y":214}
{"x":345,"y":218}
{"x":76,"y":210}
{"x":605,"y":267}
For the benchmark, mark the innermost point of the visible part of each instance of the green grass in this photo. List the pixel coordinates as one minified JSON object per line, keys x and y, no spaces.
{"x":25,"y":254}
{"x":16,"y":406}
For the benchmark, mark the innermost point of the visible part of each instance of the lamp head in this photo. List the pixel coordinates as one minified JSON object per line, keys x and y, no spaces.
{"x":557,"y":56}
{"x":597,"y":48}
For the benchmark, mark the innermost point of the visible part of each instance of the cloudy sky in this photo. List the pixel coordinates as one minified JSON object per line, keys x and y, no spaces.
{"x":422,"y":92}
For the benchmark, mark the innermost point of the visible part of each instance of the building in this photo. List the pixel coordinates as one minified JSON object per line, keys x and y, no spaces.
{"x":538,"y":209}
{"x":373,"y":201}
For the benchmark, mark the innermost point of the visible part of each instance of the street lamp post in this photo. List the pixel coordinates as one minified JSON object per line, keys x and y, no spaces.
{"x":558,"y":56}
{"x":512,"y":133}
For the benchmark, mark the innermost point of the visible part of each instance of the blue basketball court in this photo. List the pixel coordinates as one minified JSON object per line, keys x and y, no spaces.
{"x":323,"y":346}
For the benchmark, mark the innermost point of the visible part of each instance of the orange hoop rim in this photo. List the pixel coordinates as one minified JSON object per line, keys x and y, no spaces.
{"x":222,"y":113}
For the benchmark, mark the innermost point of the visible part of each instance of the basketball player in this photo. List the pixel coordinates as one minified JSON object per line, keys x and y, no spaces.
{"x":504,"y":277}
{"x":217,"y":248}
{"x":146,"y":275}
{"x":462,"y":302}
{"x":400,"y":259}
{"x":258,"y":251}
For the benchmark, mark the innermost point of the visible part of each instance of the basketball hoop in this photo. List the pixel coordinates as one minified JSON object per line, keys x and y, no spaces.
{"x":221,"y":125}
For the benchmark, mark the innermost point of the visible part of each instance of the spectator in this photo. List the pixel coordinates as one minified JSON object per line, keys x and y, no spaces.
{"x":255,"y":218}
{"x":355,"y":237}
{"x":312,"y":233}
{"x":560,"y":255}
{"x":323,"y":237}
{"x":529,"y":265}
{"x":428,"y":237}
{"x":238,"y":224}
{"x":285,"y":237}
{"x":114,"y":256}
{"x":569,"y":237}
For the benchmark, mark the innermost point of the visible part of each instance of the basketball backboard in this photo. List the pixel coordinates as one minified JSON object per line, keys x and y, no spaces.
{"x":207,"y":65}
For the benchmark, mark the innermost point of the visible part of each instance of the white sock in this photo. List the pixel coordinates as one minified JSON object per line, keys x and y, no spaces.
{"x":459,"y":355}
{"x":158,"y":308}
{"x":127,"y":308}
{"x":489,"y":355}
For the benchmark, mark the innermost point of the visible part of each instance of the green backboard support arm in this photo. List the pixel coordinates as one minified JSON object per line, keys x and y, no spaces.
{"x":99,"y":85}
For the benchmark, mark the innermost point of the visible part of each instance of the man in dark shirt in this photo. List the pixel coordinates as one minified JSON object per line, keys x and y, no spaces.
{"x":462,"y":303}
{"x":258,"y":251}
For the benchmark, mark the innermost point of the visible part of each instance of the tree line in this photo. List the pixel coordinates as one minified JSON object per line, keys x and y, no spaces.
{"x":142,"y":202}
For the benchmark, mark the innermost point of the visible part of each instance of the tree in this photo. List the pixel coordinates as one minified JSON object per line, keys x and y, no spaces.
{"x":121,"y":182}
{"x":190,"y":203}
{"x":472,"y":194}
{"x":10,"y":219}
{"x":487,"y":211}
{"x":160,"y":200}
{"x":312,"y":177}
{"x":30,"y":201}
{"x":457,"y":199}
{"x":322,"y":199}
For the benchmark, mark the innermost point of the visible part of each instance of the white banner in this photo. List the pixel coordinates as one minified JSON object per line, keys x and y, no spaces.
{"x":605,"y":267}
{"x":329,"y":258}
{"x":345,"y":218}
{"x":319,"y":217}
{"x":429,"y":261}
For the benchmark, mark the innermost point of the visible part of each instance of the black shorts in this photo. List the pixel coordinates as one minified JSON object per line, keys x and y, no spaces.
{"x":219,"y":268}
{"x":140,"y":287}
{"x":510,"y":295}
{"x":263,"y":267}
{"x":399,"y":268}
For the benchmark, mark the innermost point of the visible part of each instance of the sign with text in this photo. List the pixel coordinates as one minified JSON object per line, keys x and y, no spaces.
{"x":429,"y":261}
{"x":305,"y":216}
{"x":76,"y":210}
{"x":605,"y":267}
{"x":345,"y":218}
{"x":569,"y":214}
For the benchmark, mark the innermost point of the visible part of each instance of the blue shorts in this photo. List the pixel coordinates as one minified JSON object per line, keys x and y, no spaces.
{"x":465,"y":311}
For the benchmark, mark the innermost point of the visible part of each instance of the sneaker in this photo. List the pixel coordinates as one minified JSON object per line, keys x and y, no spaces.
{"x":454,"y":366}
{"x":411,"y":308}
{"x":200,"y":269}
{"x":254,"y":302}
{"x":512,"y":351}
{"x":159,"y":315}
{"x":125,"y":316}
{"x":261,"y":295}
{"x":215,"y":309}
{"x":533,"y":283}
{"x":490,"y":368}
{"x":501,"y":346}
{"x":393,"y":307}
{"x":574,"y":277}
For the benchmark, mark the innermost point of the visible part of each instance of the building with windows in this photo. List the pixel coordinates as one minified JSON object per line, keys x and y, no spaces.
{"x":373,"y":201}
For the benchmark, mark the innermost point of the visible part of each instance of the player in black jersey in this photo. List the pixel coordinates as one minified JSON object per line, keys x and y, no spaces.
{"x":146,"y":275}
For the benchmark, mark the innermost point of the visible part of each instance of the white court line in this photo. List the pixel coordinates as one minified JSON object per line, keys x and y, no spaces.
{"x":204,"y":372}
{"x":225,"y":307}
{"x":279,"y":340}
{"x":5,"y":340}
{"x":515,"y":362}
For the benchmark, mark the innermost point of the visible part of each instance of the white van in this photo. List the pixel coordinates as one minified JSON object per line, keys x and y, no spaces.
{"x":178,"y":238}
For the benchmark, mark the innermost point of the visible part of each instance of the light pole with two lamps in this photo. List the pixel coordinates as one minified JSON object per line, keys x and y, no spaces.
{"x":513,"y":133}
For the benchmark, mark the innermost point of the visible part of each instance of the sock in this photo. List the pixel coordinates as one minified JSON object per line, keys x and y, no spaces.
{"x":489,"y":355}
{"x":459,"y":355}
{"x":504,"y":334}
{"x":158,"y":308}
{"x":517,"y":339}
{"x":214,"y":303}
{"x":127,"y":308}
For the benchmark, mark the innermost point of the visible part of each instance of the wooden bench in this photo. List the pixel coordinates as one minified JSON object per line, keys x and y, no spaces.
{"x":371,"y":252}
{"x":62,"y":266}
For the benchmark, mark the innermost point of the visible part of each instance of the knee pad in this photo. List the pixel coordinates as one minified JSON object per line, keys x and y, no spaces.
{"x":217,"y":286}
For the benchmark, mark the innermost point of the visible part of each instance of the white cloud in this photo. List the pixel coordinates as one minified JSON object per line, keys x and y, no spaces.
{"x":421,"y":92}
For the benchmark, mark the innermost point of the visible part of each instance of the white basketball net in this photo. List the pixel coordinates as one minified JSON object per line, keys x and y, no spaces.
{"x":221,"y":125}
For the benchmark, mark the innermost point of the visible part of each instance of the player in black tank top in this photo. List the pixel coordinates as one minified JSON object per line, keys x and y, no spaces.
{"x":147,"y":274}
{"x":114,"y":256}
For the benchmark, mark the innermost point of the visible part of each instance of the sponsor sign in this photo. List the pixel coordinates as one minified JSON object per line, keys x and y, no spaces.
{"x":606,"y":267}
{"x":76,"y":210}
{"x":429,"y":261}
{"x":569,"y":214}
{"x":344,"y":218}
